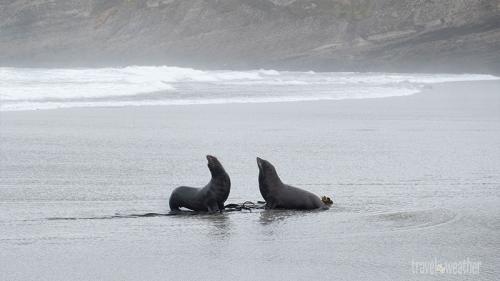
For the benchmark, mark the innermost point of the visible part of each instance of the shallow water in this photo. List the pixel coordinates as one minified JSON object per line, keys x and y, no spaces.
{"x":413,"y":179}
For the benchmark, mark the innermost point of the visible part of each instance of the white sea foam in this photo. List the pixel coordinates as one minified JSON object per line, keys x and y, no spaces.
{"x":30,"y":89}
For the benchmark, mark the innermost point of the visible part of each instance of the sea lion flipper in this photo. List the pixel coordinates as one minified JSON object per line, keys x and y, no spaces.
{"x":213,"y":207}
{"x":271,"y":205}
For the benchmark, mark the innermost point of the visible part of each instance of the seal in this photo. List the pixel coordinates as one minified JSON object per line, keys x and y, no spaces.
{"x":282,"y":196}
{"x":210,"y":198}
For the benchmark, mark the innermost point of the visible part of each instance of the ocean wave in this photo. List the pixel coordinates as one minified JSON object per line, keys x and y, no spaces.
{"x":22,"y":106}
{"x":29,"y":89}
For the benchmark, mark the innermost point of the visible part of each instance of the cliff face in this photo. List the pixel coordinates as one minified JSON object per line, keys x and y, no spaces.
{"x":388,"y":35}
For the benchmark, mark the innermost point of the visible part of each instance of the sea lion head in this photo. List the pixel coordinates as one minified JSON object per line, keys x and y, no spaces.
{"x":215,"y":166}
{"x":267,"y":172}
{"x":264,"y":165}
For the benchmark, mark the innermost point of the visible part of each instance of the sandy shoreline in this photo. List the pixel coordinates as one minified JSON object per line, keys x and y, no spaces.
{"x":414,"y":178}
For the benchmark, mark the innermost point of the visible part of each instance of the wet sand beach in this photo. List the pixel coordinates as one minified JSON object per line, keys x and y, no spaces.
{"x":415,"y":181}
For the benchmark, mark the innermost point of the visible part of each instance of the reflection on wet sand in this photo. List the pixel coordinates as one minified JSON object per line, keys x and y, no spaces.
{"x":220,"y":225}
{"x":280,"y":216}
{"x":217,"y":225}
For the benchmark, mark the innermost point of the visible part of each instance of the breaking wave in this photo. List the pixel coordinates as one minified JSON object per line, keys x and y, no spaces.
{"x":31,"y":89}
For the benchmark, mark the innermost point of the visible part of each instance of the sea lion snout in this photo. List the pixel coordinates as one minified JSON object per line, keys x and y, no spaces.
{"x":214,"y":165}
{"x":259,"y":162}
{"x":265,"y":166}
{"x":212,"y":160}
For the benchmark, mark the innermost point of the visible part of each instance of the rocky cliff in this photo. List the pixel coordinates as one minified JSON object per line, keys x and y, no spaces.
{"x":384,"y":35}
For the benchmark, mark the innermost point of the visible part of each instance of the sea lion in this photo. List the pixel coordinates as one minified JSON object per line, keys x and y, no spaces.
{"x":210,"y":198}
{"x":282,"y":196}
